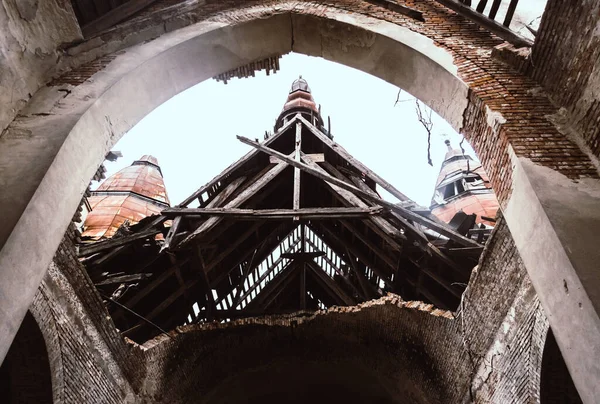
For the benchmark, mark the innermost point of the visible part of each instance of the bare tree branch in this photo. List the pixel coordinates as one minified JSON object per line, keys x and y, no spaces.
{"x":425,"y":119}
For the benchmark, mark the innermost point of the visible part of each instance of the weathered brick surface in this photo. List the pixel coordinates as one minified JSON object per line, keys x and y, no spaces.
{"x":90,"y":362}
{"x":565,"y":60}
{"x":490,"y":352}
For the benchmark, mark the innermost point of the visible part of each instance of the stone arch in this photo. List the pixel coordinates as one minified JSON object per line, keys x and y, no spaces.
{"x":26,"y":374}
{"x":65,"y":131}
{"x":53,"y":147}
{"x":556,"y":384}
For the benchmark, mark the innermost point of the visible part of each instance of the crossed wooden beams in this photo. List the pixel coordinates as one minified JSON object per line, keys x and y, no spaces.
{"x":382,"y":245}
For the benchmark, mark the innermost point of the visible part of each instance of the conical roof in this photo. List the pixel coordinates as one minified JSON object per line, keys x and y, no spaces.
{"x":299,"y":99}
{"x":132,"y":194}
{"x":463,"y":185}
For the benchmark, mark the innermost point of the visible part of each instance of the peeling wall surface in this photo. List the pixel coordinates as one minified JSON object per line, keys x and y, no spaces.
{"x":66,"y":101}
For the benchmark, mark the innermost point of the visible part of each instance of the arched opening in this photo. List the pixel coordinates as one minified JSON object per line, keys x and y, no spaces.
{"x":25,"y":373}
{"x":556,"y":384}
{"x":83,"y":125}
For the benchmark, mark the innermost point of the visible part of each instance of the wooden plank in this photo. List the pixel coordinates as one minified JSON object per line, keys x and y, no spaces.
{"x":340,"y":151}
{"x":512,"y":6}
{"x":407,"y":214}
{"x":380,"y":226}
{"x":276,"y":214}
{"x":369,"y":244}
{"x":386,"y":230}
{"x":231,"y":247}
{"x":114,"y":16}
{"x":124,"y":279}
{"x":226,"y":193}
{"x":481,"y":6}
{"x":115,"y":242}
{"x":237,"y":201}
{"x":171,"y":234}
{"x":316,"y":157}
{"x":360,"y":256}
{"x":487,"y":23}
{"x":230,"y":250}
{"x":274,"y":288}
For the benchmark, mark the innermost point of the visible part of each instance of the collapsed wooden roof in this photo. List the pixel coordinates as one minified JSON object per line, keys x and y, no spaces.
{"x":297,"y":223}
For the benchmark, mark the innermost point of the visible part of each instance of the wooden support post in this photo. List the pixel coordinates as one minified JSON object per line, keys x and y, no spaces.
{"x":298,"y":147}
{"x":172,"y":233}
{"x":210,"y":299}
{"x":481,"y":6}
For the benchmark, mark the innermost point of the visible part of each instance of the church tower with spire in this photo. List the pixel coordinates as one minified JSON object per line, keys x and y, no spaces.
{"x":300,"y":101}
{"x":131,"y":194}
{"x":463,"y":186}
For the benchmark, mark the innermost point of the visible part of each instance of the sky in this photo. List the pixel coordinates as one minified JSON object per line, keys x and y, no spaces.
{"x":193,"y":135}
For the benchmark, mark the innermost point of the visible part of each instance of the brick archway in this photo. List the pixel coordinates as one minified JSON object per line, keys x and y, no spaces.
{"x":26,"y":375}
{"x":53,"y":147}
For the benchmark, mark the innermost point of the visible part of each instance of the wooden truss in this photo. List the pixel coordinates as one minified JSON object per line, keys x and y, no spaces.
{"x":295,"y":224}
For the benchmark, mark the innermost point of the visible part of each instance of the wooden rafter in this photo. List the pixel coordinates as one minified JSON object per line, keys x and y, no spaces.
{"x":330,"y":285}
{"x":116,"y":242}
{"x":237,"y":201}
{"x":405,"y":213}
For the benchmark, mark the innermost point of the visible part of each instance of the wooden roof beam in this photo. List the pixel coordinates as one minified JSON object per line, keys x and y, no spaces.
{"x":405,"y":213}
{"x":233,"y":167}
{"x":277,"y":214}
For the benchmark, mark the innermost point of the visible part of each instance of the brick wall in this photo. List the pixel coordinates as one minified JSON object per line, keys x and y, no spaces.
{"x":564,"y":60}
{"x":506,"y":114}
{"x":89,"y":361}
{"x":489,"y":352}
